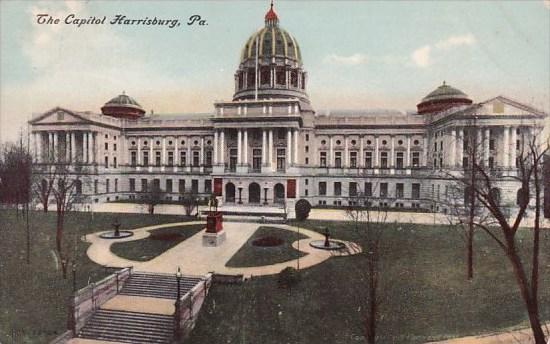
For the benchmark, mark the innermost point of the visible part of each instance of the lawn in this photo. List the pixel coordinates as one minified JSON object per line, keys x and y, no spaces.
{"x":253,"y":255}
{"x":33,"y":297}
{"x":159,"y":241}
{"x":424,"y":294}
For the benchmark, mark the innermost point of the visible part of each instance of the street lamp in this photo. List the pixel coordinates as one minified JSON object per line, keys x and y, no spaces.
{"x":74,"y":276}
{"x":178,"y":278}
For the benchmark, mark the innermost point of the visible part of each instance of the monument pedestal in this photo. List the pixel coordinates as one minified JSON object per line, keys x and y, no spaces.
{"x":214,"y":235}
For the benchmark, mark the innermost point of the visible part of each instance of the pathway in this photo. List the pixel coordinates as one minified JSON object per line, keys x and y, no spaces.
{"x":195,"y":259}
{"x":523,"y":336}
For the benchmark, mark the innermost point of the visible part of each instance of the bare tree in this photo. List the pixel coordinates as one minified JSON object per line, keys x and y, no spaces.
{"x":154,"y":195}
{"x":189,"y":202}
{"x":504,"y":227}
{"x":369,"y":219}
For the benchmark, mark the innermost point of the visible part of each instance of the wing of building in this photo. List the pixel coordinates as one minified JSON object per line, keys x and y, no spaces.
{"x":268,"y":145}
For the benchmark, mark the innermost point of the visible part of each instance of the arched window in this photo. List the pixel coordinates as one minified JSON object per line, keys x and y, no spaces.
{"x":522,"y":197}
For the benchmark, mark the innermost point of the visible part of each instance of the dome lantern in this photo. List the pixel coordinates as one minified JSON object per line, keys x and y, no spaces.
{"x":271,"y":18}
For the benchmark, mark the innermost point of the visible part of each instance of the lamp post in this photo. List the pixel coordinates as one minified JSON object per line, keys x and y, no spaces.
{"x":74,"y":277}
{"x":177,"y":318}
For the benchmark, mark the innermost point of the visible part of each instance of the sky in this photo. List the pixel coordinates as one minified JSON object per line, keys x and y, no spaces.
{"x":359,"y":54}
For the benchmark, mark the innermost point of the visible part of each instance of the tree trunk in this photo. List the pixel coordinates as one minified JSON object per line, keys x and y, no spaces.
{"x":59,"y":231}
{"x":530,"y":303}
{"x":470,"y":252}
{"x":372,"y":306}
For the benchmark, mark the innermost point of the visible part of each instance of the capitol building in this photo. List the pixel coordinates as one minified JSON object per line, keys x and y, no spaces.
{"x":268,"y":146}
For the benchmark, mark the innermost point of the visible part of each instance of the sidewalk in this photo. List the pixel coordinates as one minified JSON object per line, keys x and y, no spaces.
{"x":520,"y":336}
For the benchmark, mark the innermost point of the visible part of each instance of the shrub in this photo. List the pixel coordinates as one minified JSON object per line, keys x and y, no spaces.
{"x":302,"y":209}
{"x":288,"y":277}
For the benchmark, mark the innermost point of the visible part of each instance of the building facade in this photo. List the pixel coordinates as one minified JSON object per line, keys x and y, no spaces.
{"x":268,"y":145}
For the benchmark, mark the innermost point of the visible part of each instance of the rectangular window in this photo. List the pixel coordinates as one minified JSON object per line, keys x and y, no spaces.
{"x":399,"y":160}
{"x":368,"y":159}
{"x":95,"y":186}
{"x":156,"y":184}
{"x":384,"y":160}
{"x":353,"y":189}
{"x":170,"y":158}
{"x":181,"y":186}
{"x":106,"y":164}
{"x":492,"y":144}
{"x":114,"y":162}
{"x":518,"y":145}
{"x":195,"y":186}
{"x":307,"y":149}
{"x":116,"y":184}
{"x":322,"y":188}
{"x":399,"y":190}
{"x":415,"y":159}
{"x":465,"y":162}
{"x":208,"y":186}
{"x":338,"y":159}
{"x":157,"y":159}
{"x":233,"y":159}
{"x":353,"y":159}
{"x":337,"y":189}
{"x":183,"y":158}
{"x":168,"y":185}
{"x":257,"y":159}
{"x":196,"y":159}
{"x":133,"y":158}
{"x":144,"y":185}
{"x":491,"y":162}
{"x":307,"y":137}
{"x":114,"y":147}
{"x":281,"y":159}
{"x":383,"y":190}
{"x":132,"y":184}
{"x":307,"y":161}
{"x":323,"y":159}
{"x":208,"y":158}
{"x":368,"y":189}
{"x":415,"y":194}
{"x":145,"y":158}
{"x":106,"y":146}
{"x":107,"y":185}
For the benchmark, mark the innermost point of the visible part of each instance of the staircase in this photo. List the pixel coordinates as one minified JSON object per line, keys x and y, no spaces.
{"x":137,"y":327}
{"x":128,"y":327}
{"x":163,"y":286}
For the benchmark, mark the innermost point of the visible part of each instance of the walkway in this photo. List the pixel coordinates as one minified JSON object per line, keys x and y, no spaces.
{"x":195,"y":259}
{"x":506,"y":337}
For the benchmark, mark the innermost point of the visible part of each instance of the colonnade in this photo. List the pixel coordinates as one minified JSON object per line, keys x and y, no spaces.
{"x":65,"y":146}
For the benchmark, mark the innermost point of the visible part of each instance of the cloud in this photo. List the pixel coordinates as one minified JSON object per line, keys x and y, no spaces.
{"x":351,"y":60}
{"x":421,"y":56}
{"x":546,"y":3}
{"x":455,"y":41}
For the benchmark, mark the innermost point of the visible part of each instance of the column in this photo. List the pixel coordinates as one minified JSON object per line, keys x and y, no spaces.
{"x":486,"y":147}
{"x":392,"y":152}
{"x":222,"y":147}
{"x":460,"y":155}
{"x":138,"y":151}
{"x":425,"y":151}
{"x":38,"y":143}
{"x":151,"y":156}
{"x":346,"y":160}
{"x":289,"y":146}
{"x":245,"y":148}
{"x":73,"y":147}
{"x":49,"y":152}
{"x":189,"y":162}
{"x":330,"y":153}
{"x":452,"y":157}
{"x":177,"y":161}
{"x":376,"y":155}
{"x":201,"y":157}
{"x":215,"y":147}
{"x":90,"y":148}
{"x":295,"y":154}
{"x":408,"y":158}
{"x":361,"y":162}
{"x":506,"y":150}
{"x":239,"y":147}
{"x":55,"y":146}
{"x":270,"y":148}
{"x":67,"y":147}
{"x":264,"y":146}
{"x":513,"y":148}
{"x":163,"y":161}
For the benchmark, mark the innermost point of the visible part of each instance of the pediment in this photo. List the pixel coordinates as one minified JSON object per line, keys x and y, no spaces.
{"x":60,"y":115}
{"x":505,"y":106}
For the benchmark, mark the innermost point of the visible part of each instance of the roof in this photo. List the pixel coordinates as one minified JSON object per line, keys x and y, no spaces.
{"x":123,"y":100}
{"x":445,"y":92}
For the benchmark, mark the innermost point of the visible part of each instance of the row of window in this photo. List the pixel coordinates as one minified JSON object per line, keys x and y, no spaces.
{"x":370,"y":190}
{"x":369,"y":159}
{"x":169,"y":185}
{"x":170,"y":158}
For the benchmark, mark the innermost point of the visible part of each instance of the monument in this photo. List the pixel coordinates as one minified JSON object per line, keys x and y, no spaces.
{"x":214,"y":235}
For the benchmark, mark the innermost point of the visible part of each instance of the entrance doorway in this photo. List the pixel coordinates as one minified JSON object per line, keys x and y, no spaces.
{"x":279,"y":193}
{"x":254,"y":193}
{"x":230,"y":192}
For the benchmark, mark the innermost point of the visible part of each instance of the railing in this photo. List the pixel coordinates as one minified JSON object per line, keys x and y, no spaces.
{"x":188,"y":307}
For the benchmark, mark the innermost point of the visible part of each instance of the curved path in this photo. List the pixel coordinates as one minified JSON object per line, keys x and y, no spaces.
{"x":195,"y":259}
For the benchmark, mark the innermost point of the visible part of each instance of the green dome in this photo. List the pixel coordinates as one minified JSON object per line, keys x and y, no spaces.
{"x":445,"y":92}
{"x":273,"y":41}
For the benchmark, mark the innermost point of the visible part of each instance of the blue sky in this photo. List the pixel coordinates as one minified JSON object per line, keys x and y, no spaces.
{"x":359,"y":54}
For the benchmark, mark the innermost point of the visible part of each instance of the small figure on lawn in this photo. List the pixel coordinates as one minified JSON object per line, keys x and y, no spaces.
{"x":213,"y":203}
{"x":117,"y":227}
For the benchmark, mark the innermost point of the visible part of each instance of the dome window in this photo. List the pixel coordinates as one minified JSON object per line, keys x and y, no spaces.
{"x":369,"y":142}
{"x":133,"y":143}
{"x":209,"y":142}
{"x":416,"y":142}
{"x":353,"y":142}
{"x":158,"y":143}
{"x":400,"y":142}
{"x":196,"y":142}
{"x":384,"y":142}
{"x":338,"y":142}
{"x":170,"y":143}
{"x":323,"y":142}
{"x":182,"y":142}
{"x":145,"y":143}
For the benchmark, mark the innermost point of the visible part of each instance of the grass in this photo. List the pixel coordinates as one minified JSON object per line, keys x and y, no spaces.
{"x":159,"y":241}
{"x":423,"y":292}
{"x":33,"y":297}
{"x":251,"y":255}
